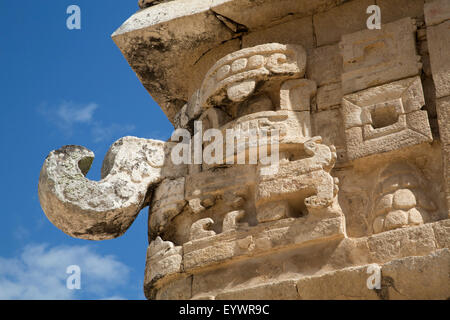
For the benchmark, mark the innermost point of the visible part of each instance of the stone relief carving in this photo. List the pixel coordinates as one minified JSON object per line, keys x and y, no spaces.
{"x":385,"y":118}
{"x":401,"y":198}
{"x":363,"y":95}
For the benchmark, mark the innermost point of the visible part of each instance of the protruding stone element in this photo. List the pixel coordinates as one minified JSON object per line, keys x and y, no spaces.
{"x":234,"y":77}
{"x":296,"y":94}
{"x":385,"y":118}
{"x":163,"y":259}
{"x":199,"y":229}
{"x":374,"y":57}
{"x":168,"y":201}
{"x":307,"y":179}
{"x":101,"y":210}
{"x":231,"y":220}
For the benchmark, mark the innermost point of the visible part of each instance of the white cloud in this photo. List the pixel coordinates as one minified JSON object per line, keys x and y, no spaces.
{"x":40,"y":273}
{"x":71,"y":113}
{"x":69,"y":116}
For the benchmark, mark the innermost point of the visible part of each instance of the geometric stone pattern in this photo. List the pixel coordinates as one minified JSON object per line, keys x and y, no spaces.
{"x":385,"y":118}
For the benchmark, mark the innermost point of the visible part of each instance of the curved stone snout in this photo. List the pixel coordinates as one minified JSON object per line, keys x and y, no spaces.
{"x":105,"y":209}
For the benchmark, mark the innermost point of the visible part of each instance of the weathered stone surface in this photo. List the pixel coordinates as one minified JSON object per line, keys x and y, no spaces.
{"x":295,"y":32}
{"x":374,"y":57}
{"x":329,"y":96}
{"x":99,"y":210}
{"x":168,"y":201}
{"x":163,"y":259}
{"x":296,"y":94}
{"x":438,"y":38}
{"x":283,"y":290}
{"x":399,"y":243}
{"x":261,"y":239}
{"x":394,"y":10}
{"x":324,"y":65}
{"x":423,"y":277}
{"x":148,"y":3}
{"x":346,"y":18}
{"x":385,"y":118}
{"x":345,"y":284}
{"x":436,"y":12}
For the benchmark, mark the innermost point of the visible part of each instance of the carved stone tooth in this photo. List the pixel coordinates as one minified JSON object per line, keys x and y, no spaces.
{"x":199,"y":229}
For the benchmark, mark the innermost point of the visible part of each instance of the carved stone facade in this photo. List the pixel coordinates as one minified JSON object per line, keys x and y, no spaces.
{"x":363,"y":175}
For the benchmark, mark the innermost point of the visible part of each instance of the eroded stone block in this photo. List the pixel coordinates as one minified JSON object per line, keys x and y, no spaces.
{"x":438,"y":38}
{"x":374,"y":57}
{"x":324,"y":65}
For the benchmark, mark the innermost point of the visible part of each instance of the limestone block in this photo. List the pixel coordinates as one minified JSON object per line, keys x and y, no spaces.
{"x":425,"y":277}
{"x":328,"y":124}
{"x":442,"y":233}
{"x":105,"y":209}
{"x":168,"y":201}
{"x":178,"y":289}
{"x":296,"y":94}
{"x":416,"y":277}
{"x":324,"y":65}
{"x":436,"y":12}
{"x":273,"y":211}
{"x":374,"y":57}
{"x":394,"y":10}
{"x":438,"y":46}
{"x":261,"y":239}
{"x":234,"y":77}
{"x":345,"y":284}
{"x":385,"y":118}
{"x":329,"y":96}
{"x":254,"y":15}
{"x":299,"y":31}
{"x":282,"y":290}
{"x":399,"y":243}
{"x":443,"y":112}
{"x":349,"y":17}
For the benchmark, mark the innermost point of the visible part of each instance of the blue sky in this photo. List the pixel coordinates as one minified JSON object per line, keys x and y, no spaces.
{"x":61,"y":87}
